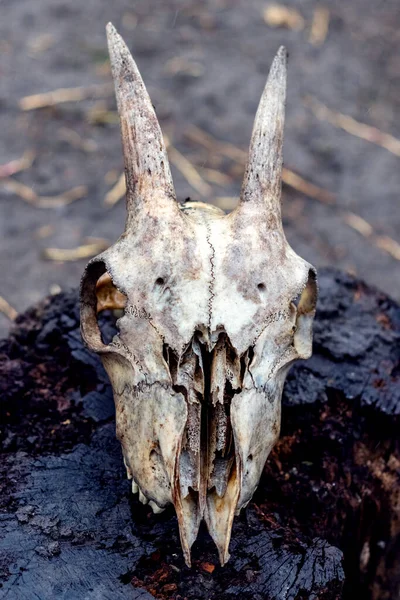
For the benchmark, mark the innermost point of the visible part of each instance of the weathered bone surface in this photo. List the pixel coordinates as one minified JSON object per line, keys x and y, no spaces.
{"x":216,"y":309}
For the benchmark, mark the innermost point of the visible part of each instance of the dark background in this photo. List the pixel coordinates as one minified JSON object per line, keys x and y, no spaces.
{"x":205,"y":64}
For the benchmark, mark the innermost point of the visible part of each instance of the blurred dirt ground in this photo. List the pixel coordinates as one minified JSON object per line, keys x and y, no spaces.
{"x":205,"y":65}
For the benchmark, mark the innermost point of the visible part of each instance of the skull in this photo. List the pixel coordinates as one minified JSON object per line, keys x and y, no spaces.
{"x":216,"y":307}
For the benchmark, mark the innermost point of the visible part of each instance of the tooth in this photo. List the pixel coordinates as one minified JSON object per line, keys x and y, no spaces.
{"x":238,"y":510}
{"x":156,"y":509}
{"x":128,"y":471}
{"x":142,"y":497}
{"x":135,"y":487}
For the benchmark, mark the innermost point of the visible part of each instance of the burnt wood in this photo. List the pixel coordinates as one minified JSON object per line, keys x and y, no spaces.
{"x":324,"y":523}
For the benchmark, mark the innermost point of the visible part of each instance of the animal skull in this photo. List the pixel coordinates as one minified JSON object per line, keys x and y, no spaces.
{"x":216,"y":309}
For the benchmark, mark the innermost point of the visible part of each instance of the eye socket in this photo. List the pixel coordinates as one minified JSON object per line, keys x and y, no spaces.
{"x":295,"y":301}
{"x":307,"y":300}
{"x":110,"y":305}
{"x":305,"y":310}
{"x":108,"y":296}
{"x":101,"y":305}
{"x":261,"y":287}
{"x":160,"y":281}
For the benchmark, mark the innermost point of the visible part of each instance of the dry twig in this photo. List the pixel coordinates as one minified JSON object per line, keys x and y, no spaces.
{"x":383,"y":242}
{"x":389,"y":245}
{"x":91,"y":248}
{"x":305,"y":187}
{"x":76,"y":141}
{"x":358,"y":223}
{"x":17,"y":165}
{"x":360,"y":130}
{"x":214,"y":176}
{"x":298,"y":183}
{"x":117,"y":192}
{"x":289,"y":177}
{"x":190,"y":173}
{"x":7,"y":309}
{"x":277,"y":15}
{"x":319,"y":26}
{"x":111,"y":176}
{"x":197,"y":135}
{"x":31,"y":197}
{"x":62,"y":95}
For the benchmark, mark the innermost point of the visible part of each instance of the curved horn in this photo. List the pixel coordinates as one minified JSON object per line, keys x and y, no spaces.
{"x":262,"y":179}
{"x":146,"y":162}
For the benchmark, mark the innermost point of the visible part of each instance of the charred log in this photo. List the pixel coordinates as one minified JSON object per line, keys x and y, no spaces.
{"x":324,"y":522}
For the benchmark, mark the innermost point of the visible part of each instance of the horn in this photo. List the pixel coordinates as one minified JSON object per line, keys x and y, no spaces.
{"x":263,"y":175}
{"x":147,"y":171}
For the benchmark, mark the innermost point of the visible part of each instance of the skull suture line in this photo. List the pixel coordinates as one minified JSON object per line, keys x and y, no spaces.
{"x":216,"y":309}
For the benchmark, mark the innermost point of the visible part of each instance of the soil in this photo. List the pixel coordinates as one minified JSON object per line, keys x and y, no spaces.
{"x":323,"y":524}
{"x":205,"y":64}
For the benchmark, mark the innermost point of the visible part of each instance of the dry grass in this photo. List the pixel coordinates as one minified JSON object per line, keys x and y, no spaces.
{"x":358,"y":224}
{"x":356,"y":128}
{"x":307,"y":188}
{"x":7,"y":310}
{"x":27,"y":194}
{"x":295,"y":181}
{"x":319,"y":26}
{"x":63,"y":95}
{"x":189,"y":171}
{"x":387,"y":244}
{"x":239,"y":156}
{"x":278,"y":15}
{"x":17,"y":165}
{"x":92,"y":247}
{"x":197,"y":135}
{"x":76,"y":141}
{"x":117,"y":192}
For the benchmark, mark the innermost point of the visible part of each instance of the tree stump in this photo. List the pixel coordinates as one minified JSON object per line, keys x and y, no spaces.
{"x":324,"y":522}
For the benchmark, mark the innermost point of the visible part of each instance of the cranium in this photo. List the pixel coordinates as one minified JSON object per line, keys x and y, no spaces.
{"x":216,"y":308}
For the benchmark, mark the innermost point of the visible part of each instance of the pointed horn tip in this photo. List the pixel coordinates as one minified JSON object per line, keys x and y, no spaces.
{"x":115,"y":40}
{"x":281,"y":56}
{"x":278,"y":66}
{"x":118,"y":51}
{"x":110,"y":29}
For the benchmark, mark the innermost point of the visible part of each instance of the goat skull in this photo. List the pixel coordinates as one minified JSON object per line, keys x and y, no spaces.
{"x":216,"y":309}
